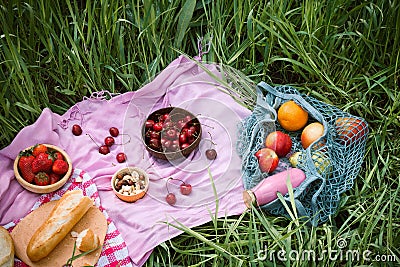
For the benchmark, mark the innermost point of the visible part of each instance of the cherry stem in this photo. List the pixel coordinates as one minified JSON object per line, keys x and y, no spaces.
{"x":121,"y":144}
{"x":166,"y":184}
{"x":170,"y":178}
{"x":212,"y":142}
{"x":93,"y":140}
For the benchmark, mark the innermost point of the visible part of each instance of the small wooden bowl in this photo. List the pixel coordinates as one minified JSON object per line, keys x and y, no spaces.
{"x":46,"y":188}
{"x":134,"y":196}
{"x":172,"y":155}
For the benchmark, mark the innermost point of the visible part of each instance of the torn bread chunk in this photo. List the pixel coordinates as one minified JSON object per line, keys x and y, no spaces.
{"x":87,"y":240}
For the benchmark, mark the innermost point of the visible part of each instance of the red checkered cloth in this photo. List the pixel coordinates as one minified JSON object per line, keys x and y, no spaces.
{"x":115,"y":251}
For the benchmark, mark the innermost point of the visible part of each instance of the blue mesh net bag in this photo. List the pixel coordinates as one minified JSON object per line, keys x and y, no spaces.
{"x":331,"y":163}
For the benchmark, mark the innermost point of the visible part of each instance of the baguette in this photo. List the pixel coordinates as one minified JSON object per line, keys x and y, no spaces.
{"x":66,"y":213}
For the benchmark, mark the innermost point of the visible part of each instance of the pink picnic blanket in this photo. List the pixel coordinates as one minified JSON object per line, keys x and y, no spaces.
{"x":217,"y":184}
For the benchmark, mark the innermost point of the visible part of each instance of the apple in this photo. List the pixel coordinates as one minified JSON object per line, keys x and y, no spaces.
{"x":267,"y":159}
{"x":350,"y":130}
{"x":280,"y":142}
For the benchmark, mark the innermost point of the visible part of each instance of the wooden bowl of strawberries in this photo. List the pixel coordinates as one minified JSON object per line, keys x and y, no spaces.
{"x":42,"y":168}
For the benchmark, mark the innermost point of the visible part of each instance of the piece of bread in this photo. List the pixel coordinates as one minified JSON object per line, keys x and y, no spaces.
{"x":6,"y":249}
{"x":87,"y":240}
{"x":66,"y":213}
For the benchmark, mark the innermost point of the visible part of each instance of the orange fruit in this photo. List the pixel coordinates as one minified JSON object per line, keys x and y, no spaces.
{"x":291,"y":116}
{"x":312,"y":132}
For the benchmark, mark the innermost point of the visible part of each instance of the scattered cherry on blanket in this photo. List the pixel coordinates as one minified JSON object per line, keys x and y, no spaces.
{"x":104,"y":150}
{"x":211,"y":153}
{"x":76,"y":130}
{"x":185,"y":188}
{"x":121,"y":157}
{"x":171,"y":199}
{"x":114,"y":131}
{"x":109,"y":141}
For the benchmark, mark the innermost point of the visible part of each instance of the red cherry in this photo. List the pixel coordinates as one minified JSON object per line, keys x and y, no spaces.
{"x":109,"y":141}
{"x":104,"y":150}
{"x":190,"y":132}
{"x":171,"y":199}
{"x":187,"y":118}
{"x":167,"y":144}
{"x":168,"y":124}
{"x":181,"y":124}
{"x":184,"y":145}
{"x":149,"y":124}
{"x":182,"y":138}
{"x":154,"y":135}
{"x":191,"y":139}
{"x":165,"y":117}
{"x":121,"y":157}
{"x":185,"y":188}
{"x":114,"y":131}
{"x":211,"y":154}
{"x":171,"y":134}
{"x":76,"y":130}
{"x":155,"y":143}
{"x":174,"y":147}
{"x":158,"y":126}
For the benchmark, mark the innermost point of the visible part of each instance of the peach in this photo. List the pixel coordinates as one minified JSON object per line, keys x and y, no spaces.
{"x":311,"y":133}
{"x":279,"y":142}
{"x":267,"y":160}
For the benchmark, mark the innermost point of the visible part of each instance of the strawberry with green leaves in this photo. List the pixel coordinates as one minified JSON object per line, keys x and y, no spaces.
{"x":39,"y":148}
{"x":42,"y":163}
{"x":41,"y":179}
{"x":60,"y":167}
{"x":25,"y":166}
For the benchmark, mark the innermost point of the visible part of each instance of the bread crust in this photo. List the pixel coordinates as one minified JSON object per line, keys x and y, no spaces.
{"x":7,"y":255}
{"x":71,"y":207}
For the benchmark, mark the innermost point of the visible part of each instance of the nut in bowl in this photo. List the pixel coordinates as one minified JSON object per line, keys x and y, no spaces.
{"x":130,"y":183}
{"x":42,"y":168}
{"x":171,"y":133}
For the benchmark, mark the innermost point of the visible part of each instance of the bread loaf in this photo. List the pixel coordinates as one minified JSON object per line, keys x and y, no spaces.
{"x":6,"y":249}
{"x":65,"y":214}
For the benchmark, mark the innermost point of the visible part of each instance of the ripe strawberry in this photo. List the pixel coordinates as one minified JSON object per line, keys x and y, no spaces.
{"x":42,"y":178}
{"x":39,"y":148}
{"x":55,"y":154}
{"x":42,"y":163}
{"x":25,"y":167}
{"x":54,"y":178}
{"x":60,"y":166}
{"x":58,"y":155}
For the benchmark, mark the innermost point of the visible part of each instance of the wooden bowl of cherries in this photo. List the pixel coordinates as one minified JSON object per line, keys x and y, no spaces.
{"x":171,"y":133}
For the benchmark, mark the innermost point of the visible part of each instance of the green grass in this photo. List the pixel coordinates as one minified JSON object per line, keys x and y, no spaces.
{"x":346,"y":53}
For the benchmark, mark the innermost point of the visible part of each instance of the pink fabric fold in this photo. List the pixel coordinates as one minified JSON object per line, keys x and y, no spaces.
{"x":143,"y":224}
